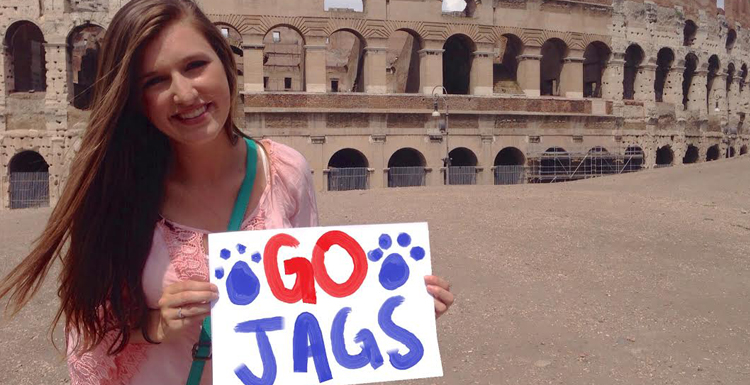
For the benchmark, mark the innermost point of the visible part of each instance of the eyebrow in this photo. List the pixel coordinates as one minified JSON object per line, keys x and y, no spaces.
{"x":186,"y":59}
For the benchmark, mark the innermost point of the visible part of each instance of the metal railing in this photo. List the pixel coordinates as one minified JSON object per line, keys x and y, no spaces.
{"x":28,"y":189}
{"x":406,"y":176}
{"x":462,"y":175}
{"x":349,"y":178}
{"x":510,"y":175}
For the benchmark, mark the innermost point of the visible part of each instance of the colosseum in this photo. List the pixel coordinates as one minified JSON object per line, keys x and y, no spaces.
{"x":388,"y":93}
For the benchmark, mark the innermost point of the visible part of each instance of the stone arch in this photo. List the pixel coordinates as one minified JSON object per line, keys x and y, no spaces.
{"x":691,"y":65}
{"x":689,"y":33}
{"x":284,"y":59}
{"x":692,"y":155}
{"x":345,"y":61}
{"x":505,"y":65}
{"x":26,"y":68}
{"x":510,"y":156}
{"x":348,"y":170}
{"x":731,"y":152}
{"x":743,"y":77}
{"x":463,"y":165}
{"x":712,"y":99}
{"x":555,"y":165}
{"x":731,"y":73}
{"x":553,"y":52}
{"x":633,"y":159}
{"x":743,"y":150}
{"x":664,"y":61}
{"x":406,"y":168}
{"x":731,"y":39}
{"x":713,"y":153}
{"x":29,"y":180}
{"x":457,"y":60}
{"x":599,"y":161}
{"x":509,"y":166}
{"x":403,"y":72}
{"x":634,"y":57}
{"x":83,"y":45}
{"x":595,"y":59}
{"x":354,"y":5}
{"x":664,"y":156}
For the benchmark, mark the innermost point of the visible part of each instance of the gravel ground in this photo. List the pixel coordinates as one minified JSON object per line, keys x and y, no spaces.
{"x":634,"y":279}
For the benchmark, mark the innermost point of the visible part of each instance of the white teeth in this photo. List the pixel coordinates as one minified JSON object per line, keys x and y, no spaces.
{"x":192,"y":114}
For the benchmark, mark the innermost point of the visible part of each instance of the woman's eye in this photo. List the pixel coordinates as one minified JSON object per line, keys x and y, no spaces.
{"x":152,"y":82}
{"x":196,"y":64}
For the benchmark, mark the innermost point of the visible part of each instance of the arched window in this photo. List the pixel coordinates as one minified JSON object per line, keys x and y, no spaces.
{"x":83,"y":58}
{"x":712,"y":98}
{"x":402,"y":62}
{"x":505,"y":66}
{"x":510,"y":166}
{"x":689,"y":32}
{"x":345,"y":62}
{"x":664,"y":156}
{"x":691,"y":65}
{"x":347,"y":170}
{"x":633,"y":159}
{"x":713,"y":153}
{"x":406,"y":168}
{"x":283,"y":59}
{"x":664,"y":61}
{"x":29,"y":180}
{"x":595,"y":59}
{"x":553,"y":52}
{"x":691,"y":155}
{"x":27,"y":67}
{"x":344,"y":5}
{"x":463,"y":167}
{"x":633,"y":59}
{"x":731,"y":39}
{"x":457,"y":62}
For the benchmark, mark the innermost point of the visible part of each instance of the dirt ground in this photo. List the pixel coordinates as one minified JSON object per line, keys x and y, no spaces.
{"x":634,"y":279}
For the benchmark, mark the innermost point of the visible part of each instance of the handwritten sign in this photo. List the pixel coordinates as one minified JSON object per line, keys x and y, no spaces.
{"x":333,"y":305}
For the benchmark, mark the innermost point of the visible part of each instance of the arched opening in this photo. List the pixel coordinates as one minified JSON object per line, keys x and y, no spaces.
{"x":664,"y":156}
{"x":463,"y":167}
{"x":729,"y":84}
{"x":27,"y":66}
{"x":713,"y":153}
{"x":743,"y":150}
{"x":554,"y":165}
{"x":633,"y":58}
{"x":731,"y":39}
{"x":348,"y":170}
{"x":505,"y":66}
{"x":344,"y":5}
{"x":402,"y":62}
{"x":691,"y":155}
{"x":553,"y":52}
{"x":712,"y":101}
{"x":345,"y":62}
{"x":664,"y":61}
{"x":460,"y":8}
{"x":510,"y":166}
{"x":595,"y":59}
{"x":691,"y":65}
{"x":83,"y":54}
{"x":599,"y":162}
{"x":689,"y":32}
{"x":457,"y":64}
{"x":283,"y":60}
{"x":235,"y":43}
{"x":743,"y":77}
{"x":406,"y":168}
{"x":29,"y":180}
{"x":633,"y":159}
{"x":731,"y":152}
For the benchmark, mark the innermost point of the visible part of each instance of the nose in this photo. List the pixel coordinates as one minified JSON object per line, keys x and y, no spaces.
{"x":183,"y":92}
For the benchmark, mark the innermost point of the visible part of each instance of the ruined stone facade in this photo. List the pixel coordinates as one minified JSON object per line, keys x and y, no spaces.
{"x":355,"y":89}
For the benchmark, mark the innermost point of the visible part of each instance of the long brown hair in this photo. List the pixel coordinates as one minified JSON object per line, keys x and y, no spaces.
{"x":110,"y":205}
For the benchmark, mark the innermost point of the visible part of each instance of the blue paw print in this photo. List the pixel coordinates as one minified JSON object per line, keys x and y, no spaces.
{"x":243,"y":285}
{"x":394,"y":271}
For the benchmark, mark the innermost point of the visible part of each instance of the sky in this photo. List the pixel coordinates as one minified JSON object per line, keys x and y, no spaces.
{"x":720,"y":3}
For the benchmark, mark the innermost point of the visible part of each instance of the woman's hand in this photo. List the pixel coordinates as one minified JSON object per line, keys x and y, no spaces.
{"x":183,"y":305}
{"x":440,"y":289}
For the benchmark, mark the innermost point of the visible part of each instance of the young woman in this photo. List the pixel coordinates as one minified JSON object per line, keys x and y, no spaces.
{"x":160,"y":167}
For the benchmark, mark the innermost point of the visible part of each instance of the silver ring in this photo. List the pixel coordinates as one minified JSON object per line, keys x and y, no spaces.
{"x":179,"y":313}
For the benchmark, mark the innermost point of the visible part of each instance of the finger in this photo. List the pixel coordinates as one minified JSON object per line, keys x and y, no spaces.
{"x":187,"y":298}
{"x":189,"y":311}
{"x":190,"y":286}
{"x":437,"y":281}
{"x":440,"y":308}
{"x":441,"y":295}
{"x":182,"y":323}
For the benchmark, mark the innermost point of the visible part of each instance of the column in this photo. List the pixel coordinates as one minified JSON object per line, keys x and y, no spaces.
{"x":480,"y":80}
{"x":375,"y":62}
{"x":673,"y":86}
{"x":252,"y":58}
{"x":733,"y":96}
{"x":487,"y":176}
{"x":430,"y":69}
{"x":697,"y":93}
{"x":528,"y":73}
{"x":612,"y":88}
{"x":56,"y":95}
{"x":718,"y":97}
{"x":571,"y":76}
{"x":644,"y":82}
{"x":5,"y":85}
{"x":315,"y":65}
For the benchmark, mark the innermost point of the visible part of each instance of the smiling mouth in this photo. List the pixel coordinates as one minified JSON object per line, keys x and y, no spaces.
{"x":195,"y":113}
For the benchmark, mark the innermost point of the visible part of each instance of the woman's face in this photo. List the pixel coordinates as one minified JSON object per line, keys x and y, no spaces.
{"x":184,"y":90}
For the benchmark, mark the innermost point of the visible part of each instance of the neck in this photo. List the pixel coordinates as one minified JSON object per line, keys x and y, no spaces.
{"x":208,"y":163}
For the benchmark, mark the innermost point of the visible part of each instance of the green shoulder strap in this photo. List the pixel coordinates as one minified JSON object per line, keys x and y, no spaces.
{"x":202,"y":349}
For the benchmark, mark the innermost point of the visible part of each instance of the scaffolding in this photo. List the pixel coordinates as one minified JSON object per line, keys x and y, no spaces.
{"x":557,"y":164}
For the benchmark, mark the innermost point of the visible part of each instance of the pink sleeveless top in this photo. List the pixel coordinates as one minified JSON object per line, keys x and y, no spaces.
{"x":176,"y":255}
